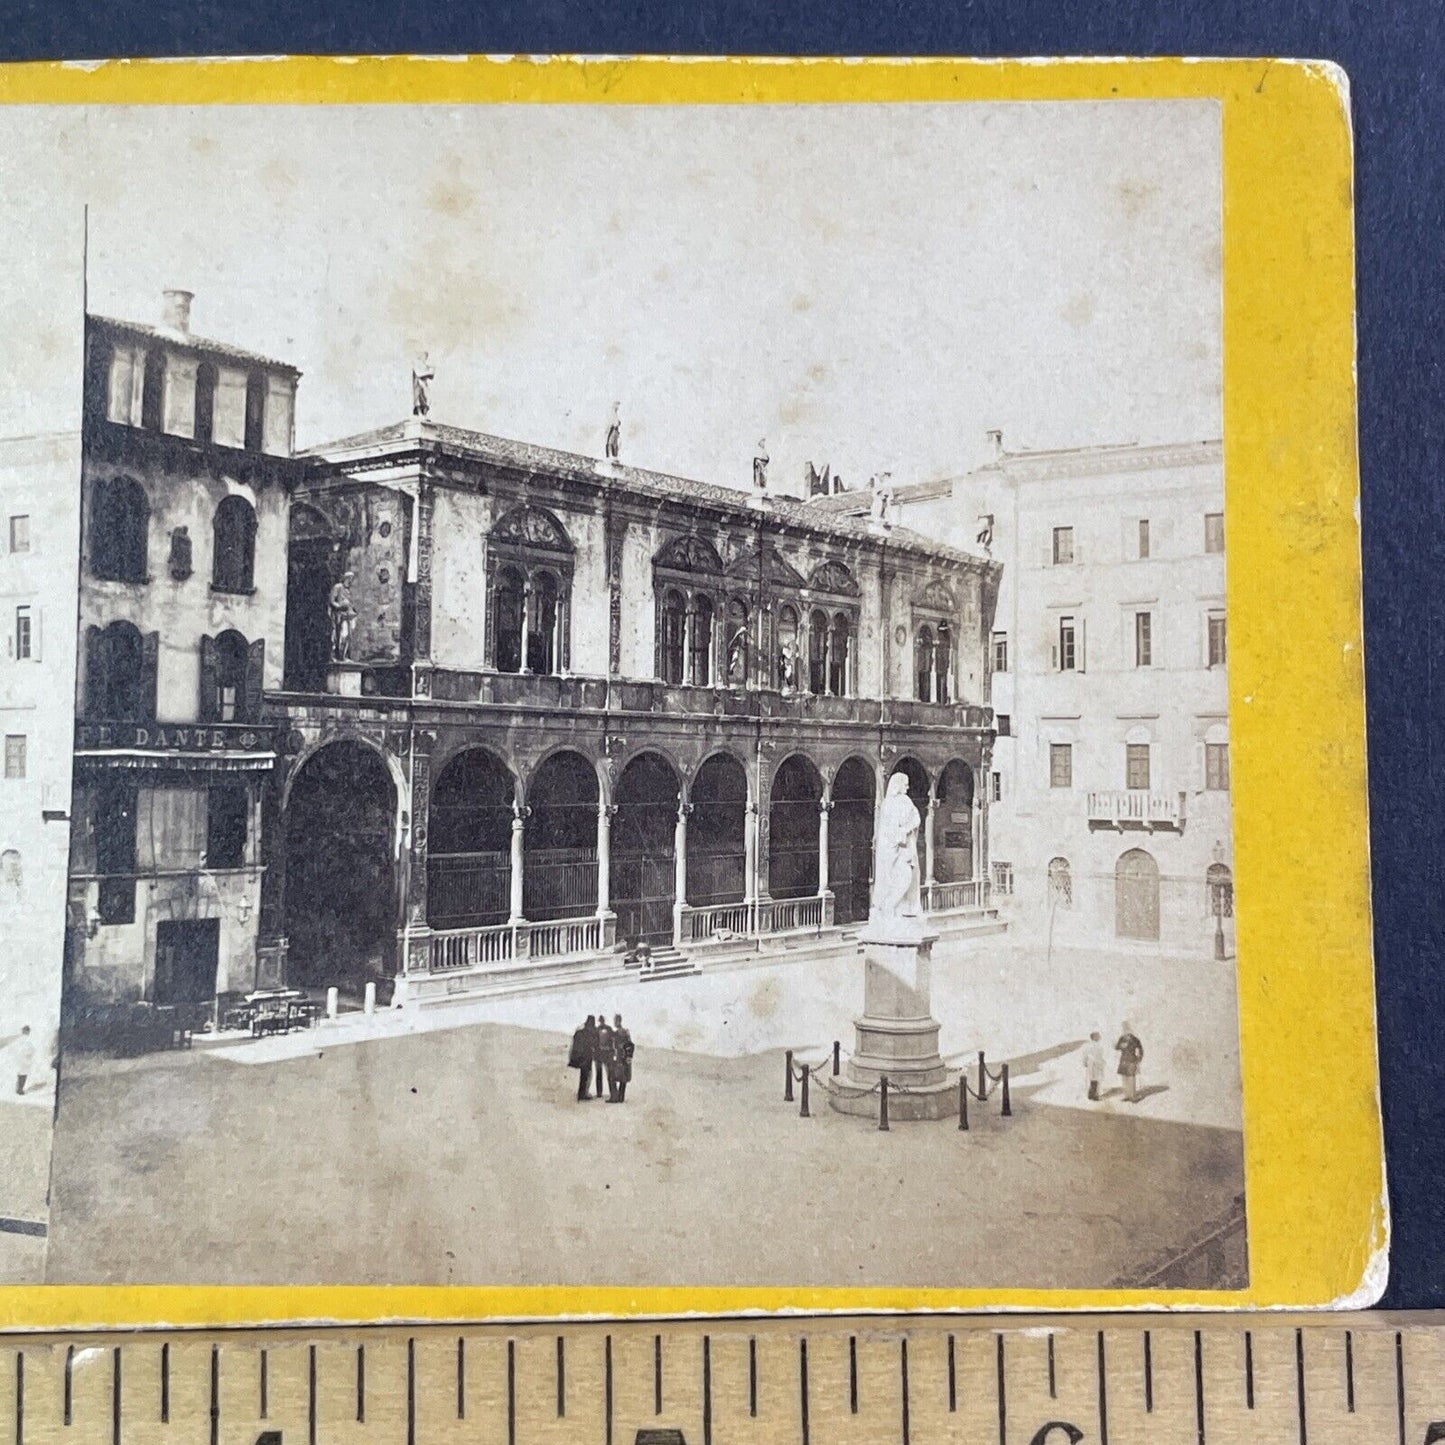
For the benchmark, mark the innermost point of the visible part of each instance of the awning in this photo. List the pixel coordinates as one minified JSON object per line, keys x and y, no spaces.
{"x":158,"y":760}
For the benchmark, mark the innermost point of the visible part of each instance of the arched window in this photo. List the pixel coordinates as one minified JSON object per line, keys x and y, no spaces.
{"x":507,"y":612}
{"x":542,"y":638}
{"x":840,"y":656}
{"x":736,"y":658}
{"x":818,"y":652}
{"x":231,"y":652}
{"x":789,"y":663}
{"x":153,"y":392}
{"x":255,"y":410}
{"x":119,"y":521}
{"x":1061,"y":884}
{"x":699,"y":652}
{"x":1219,"y":886}
{"x":943,"y":663}
{"x":923,"y":663}
{"x":205,"y":419}
{"x":673,"y":640}
{"x":120,"y":677}
{"x":233,"y":535}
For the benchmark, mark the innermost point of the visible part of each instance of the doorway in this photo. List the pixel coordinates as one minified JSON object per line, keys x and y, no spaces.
{"x":187,"y":955}
{"x":1136,"y":896}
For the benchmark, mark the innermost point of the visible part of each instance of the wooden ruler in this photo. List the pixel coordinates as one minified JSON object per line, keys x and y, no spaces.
{"x":1155,"y":1380}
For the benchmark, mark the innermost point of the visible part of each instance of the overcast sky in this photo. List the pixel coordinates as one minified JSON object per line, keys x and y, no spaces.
{"x":871,"y":286}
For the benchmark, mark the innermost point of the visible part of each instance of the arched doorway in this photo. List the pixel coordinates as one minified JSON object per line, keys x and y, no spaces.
{"x":643,"y":832}
{"x":716,"y":834}
{"x":311,"y":568}
{"x":918,"y":788}
{"x":953,"y":825}
{"x":793,"y":829}
{"x":1136,"y":896}
{"x":850,"y":842}
{"x":469,"y":859}
{"x":559,"y":846}
{"x":340,"y":871}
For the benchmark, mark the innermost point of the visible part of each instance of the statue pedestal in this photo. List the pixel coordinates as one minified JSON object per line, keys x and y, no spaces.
{"x":897,"y":1035}
{"x":343,"y":678}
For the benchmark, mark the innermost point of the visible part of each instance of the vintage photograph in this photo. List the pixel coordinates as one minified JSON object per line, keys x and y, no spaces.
{"x":713,"y":612}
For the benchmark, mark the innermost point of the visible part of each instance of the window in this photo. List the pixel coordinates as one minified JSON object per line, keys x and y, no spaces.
{"x":23,"y":638}
{"x":1061,"y":765}
{"x":205,"y":418}
{"x":1218,"y":643}
{"x":20,"y":534}
{"x":1136,"y":766}
{"x":1216,"y":767}
{"x":817,"y":653}
{"x":1214,"y":531}
{"x":674,"y":633}
{"x":529,"y":574}
{"x":1066,"y":652}
{"x":14,"y":755}
{"x":227,"y":806}
{"x":234,"y":555}
{"x":1143,"y":538}
{"x":120,"y":673}
{"x":1063,"y":546}
{"x":699,"y":648}
{"x":119,"y":521}
{"x":1003,"y":877}
{"x":1003,"y":725}
{"x":153,"y":393}
{"x":255,"y":410}
{"x":1143,"y":639}
{"x":787,"y":648}
{"x":1219,"y":890}
{"x":507,"y":621}
{"x":923,"y":663}
{"x":543,"y":637}
{"x":230,"y":664}
{"x":1061,"y":883}
{"x":942,"y":663}
{"x":995,"y":787}
{"x":1000,"y":652}
{"x":840,"y":656}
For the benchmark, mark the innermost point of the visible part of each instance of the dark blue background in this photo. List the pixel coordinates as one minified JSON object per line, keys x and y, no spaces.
{"x":1393,"y":53}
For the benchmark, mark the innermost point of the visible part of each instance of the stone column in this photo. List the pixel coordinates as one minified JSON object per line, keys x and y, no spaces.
{"x":679,"y":870}
{"x":750,"y":852}
{"x":928,"y":844}
{"x":526,"y":623}
{"x":604,"y":858}
{"x":825,"y":807}
{"x":519,"y":814}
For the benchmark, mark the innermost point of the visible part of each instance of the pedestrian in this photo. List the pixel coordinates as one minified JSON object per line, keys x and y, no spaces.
{"x":604,"y":1050}
{"x":583,"y":1055}
{"x":1094,"y":1064}
{"x":619,"y":1066}
{"x":24,"y":1059}
{"x":1131,"y":1056}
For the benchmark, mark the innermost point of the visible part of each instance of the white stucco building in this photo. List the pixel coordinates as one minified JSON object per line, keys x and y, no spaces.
{"x":1110,"y":818}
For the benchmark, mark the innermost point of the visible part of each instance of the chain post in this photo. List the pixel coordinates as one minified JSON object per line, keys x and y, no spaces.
{"x":883,"y":1102}
{"x":963,"y":1099}
{"x":982,"y":1078}
{"x":803,"y":1109}
{"x":1007,"y":1108}
{"x":788,"y":1087}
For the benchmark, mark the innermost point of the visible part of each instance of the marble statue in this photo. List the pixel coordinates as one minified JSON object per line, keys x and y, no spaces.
{"x":614,"y":433}
{"x":422,"y":377}
{"x":895,"y":862}
{"x":343,"y":614}
{"x":760,"y":467}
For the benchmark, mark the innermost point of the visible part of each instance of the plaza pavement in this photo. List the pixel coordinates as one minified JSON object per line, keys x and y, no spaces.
{"x":448,"y":1147}
{"x":25,"y":1125}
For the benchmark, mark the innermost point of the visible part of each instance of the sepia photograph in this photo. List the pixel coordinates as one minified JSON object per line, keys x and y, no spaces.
{"x":713,"y":611}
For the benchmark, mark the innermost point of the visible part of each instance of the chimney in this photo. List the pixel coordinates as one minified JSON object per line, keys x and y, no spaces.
{"x":176,"y":310}
{"x":995,"y":442}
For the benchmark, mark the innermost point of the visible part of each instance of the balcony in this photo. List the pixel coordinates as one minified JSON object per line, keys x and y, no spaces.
{"x":1129,"y":808}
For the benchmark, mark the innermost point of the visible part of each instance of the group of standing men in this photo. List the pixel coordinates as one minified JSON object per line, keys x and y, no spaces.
{"x":600,"y":1048}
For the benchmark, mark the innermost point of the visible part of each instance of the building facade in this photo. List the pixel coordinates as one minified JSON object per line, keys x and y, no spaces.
{"x":1111,"y":821}
{"x":185,"y":487}
{"x":39,"y":480}
{"x":431,"y":706}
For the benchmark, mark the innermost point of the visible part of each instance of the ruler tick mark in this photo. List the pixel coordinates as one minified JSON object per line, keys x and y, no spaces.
{"x":1002,"y":1399}
{"x":361,"y":1384}
{"x":952,"y":1379}
{"x":1053,"y":1379}
{"x":903,"y":1363}
{"x":706,"y":1390}
{"x":1248,"y":1370}
{"x":657,"y":1374}
{"x":165,"y":1386}
{"x":1148,"y":1374}
{"x":1199,"y":1385}
{"x":607,"y":1385}
{"x":20,"y":1397}
{"x":853,"y":1373}
{"x":1103,"y":1394}
{"x":69,"y":1368}
{"x":461,"y":1378}
{"x":264,"y":1381}
{"x":311,"y":1397}
{"x":752,"y":1375}
{"x":1349,"y":1372}
{"x":1299,"y":1375}
{"x":803,"y":1384}
{"x":511,"y":1392}
{"x":561,"y":1377}
{"x":1400,"y":1383}
{"x":215,"y":1394}
{"x":411,"y":1391}
{"x":115,"y":1369}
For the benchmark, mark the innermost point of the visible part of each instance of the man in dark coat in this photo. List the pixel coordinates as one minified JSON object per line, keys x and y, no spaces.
{"x":584,"y":1056}
{"x":619,"y":1066}
{"x":604,"y":1050}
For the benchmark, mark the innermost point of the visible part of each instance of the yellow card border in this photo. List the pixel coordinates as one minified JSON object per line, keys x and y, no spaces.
{"x":1314,"y":1152}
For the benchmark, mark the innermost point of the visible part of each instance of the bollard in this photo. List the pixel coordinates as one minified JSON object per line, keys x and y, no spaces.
{"x":883,"y":1102}
{"x":963,"y":1098}
{"x":837,"y":1051}
{"x":788,"y":1087}
{"x":1007,"y":1111}
{"x":368,"y":1005}
{"x":803,"y":1108}
{"x":982,"y":1078}
{"x":333,"y":1003}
